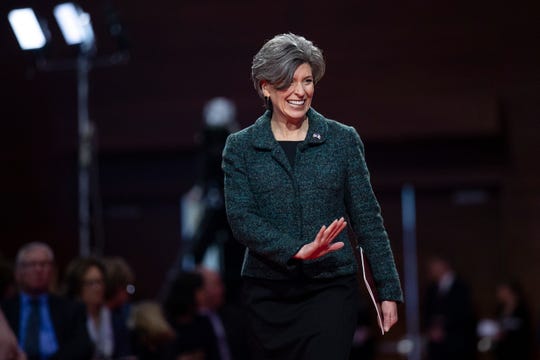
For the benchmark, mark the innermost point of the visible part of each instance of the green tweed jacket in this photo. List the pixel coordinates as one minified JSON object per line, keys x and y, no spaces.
{"x":274,"y":209}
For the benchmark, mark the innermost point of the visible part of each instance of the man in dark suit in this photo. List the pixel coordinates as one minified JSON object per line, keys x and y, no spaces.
{"x":228,"y":320}
{"x":47,"y":326}
{"x":448,"y":314}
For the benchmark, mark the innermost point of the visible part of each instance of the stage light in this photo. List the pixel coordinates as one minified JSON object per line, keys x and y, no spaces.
{"x":74,"y":24}
{"x":27,"y":29}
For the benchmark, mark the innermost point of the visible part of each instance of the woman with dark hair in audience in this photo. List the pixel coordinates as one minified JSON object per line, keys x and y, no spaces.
{"x":194,"y":334}
{"x":120,"y":288}
{"x":85,"y":280}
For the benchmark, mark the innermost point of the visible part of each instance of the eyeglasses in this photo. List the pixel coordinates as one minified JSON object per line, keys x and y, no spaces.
{"x":93,"y":282}
{"x":36,"y":264}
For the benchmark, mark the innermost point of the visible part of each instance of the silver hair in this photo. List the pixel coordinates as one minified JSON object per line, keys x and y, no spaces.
{"x":279,"y":58}
{"x":31,"y":246}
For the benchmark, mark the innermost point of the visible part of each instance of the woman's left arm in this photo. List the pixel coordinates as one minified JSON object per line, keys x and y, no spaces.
{"x":366,"y":220}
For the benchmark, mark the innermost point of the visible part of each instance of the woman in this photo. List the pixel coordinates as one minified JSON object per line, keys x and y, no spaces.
{"x":152,"y":335}
{"x":85,"y":281}
{"x":291,"y":180}
{"x":120,"y":288}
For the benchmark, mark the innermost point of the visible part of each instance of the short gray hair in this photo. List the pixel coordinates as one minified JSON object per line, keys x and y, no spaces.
{"x":279,"y":58}
{"x":31,"y":246}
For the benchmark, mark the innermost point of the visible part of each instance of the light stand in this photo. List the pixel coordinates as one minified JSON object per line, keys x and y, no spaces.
{"x":77,"y":30}
{"x":86,"y":134}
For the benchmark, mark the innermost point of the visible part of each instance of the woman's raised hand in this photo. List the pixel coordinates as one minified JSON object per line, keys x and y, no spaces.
{"x":322,"y":244}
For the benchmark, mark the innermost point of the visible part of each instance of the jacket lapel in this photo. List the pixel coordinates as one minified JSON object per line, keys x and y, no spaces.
{"x":317,"y":132}
{"x":264,"y":140}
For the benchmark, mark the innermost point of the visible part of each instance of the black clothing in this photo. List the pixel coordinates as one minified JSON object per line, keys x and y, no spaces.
{"x":302,"y":319}
{"x":451,"y":313}
{"x":515,"y":341}
{"x":289,"y":147}
{"x":196,"y":336}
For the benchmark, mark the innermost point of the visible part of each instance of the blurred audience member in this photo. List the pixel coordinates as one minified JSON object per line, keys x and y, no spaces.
{"x":228,"y":321}
{"x":364,"y":341}
{"x":205,"y":228}
{"x":85,"y":281}
{"x":448,"y":314}
{"x":47,"y":326}
{"x":152,"y":335}
{"x":194,"y":334}
{"x":515,"y":337}
{"x":119,"y":290}
{"x":9,"y":349}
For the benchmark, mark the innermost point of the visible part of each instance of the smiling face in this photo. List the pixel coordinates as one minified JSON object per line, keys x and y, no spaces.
{"x":292,"y":103}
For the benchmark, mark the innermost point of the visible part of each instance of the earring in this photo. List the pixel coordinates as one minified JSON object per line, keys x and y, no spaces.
{"x":267,"y":102}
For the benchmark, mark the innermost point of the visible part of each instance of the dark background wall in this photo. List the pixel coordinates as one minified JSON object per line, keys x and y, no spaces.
{"x":445,"y":95}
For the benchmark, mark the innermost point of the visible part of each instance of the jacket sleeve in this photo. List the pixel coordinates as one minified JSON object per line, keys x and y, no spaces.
{"x":366,"y":220}
{"x":247,"y":224}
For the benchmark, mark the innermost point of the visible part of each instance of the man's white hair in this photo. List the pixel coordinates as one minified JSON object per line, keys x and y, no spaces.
{"x":25,"y":249}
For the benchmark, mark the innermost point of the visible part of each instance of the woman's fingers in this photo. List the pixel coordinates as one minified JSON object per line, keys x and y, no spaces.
{"x":331,"y":229}
{"x":334,"y":228}
{"x":336,"y":246}
{"x":322,"y":244}
{"x":339,"y":225}
{"x":390,"y":317}
{"x":320,"y":234}
{"x":319,"y":239}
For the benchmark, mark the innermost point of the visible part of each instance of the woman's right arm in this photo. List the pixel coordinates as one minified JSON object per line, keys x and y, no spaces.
{"x":247,"y":225}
